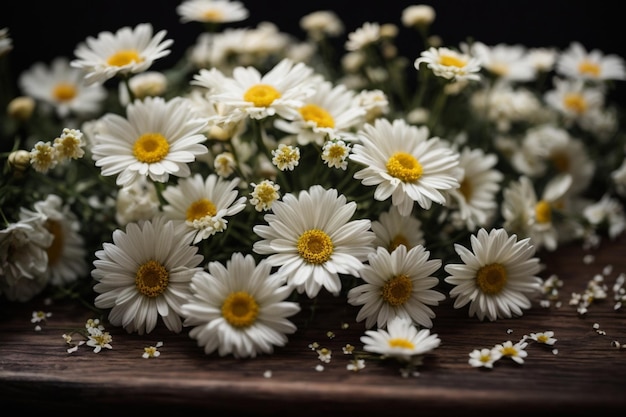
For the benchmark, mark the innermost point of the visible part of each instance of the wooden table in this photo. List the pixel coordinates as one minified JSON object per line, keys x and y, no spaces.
{"x":588,"y":375}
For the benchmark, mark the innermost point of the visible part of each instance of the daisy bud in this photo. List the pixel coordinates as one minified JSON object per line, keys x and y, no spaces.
{"x":19,"y":161}
{"x":21,"y":108}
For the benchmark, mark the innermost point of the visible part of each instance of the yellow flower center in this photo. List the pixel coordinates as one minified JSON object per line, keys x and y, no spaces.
{"x":213,"y":15}
{"x":509,"y":351}
{"x":314,"y":113}
{"x":240,"y":309}
{"x":401,"y":343}
{"x":560,"y":161}
{"x":151,"y":148}
{"x":397,"y":290}
{"x":542,"y":338}
{"x":55,"y":250}
{"x":588,"y":67}
{"x":404,"y":166}
{"x":124,"y":57}
{"x":398,"y":240}
{"x":261,"y":95}
{"x":199,"y":209}
{"x":491,"y":278}
{"x":315,"y":246}
{"x":64,"y":91}
{"x":543,"y":212}
{"x":575,"y":102}
{"x":499,"y":69}
{"x":151,"y":279}
{"x":466,"y":189}
{"x":451,"y":61}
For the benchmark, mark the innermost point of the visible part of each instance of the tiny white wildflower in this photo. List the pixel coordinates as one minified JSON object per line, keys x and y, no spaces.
{"x":286,"y":157}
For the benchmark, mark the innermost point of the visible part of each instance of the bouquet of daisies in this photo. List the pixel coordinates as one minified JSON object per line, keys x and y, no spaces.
{"x":263,"y":169}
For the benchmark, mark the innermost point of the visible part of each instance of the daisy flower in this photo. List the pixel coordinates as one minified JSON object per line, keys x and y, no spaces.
{"x":514,"y":351}
{"x":405,"y":164}
{"x":509,"y":63}
{"x":484,"y":357}
{"x":24,"y":259}
{"x":392,"y":230}
{"x":401,"y":340}
{"x":329,"y":113}
{"x":212,"y":11}
{"x":282,"y":90}
{"x":128,"y":51}
{"x":397,"y":284}
{"x":475,"y":199}
{"x":321,"y":24}
{"x":546,"y":338}
{"x":578,"y":63}
{"x":203,"y":204}
{"x":62,"y":88}
{"x":496,"y":276}
{"x":67,"y":252}
{"x":311,"y":238}
{"x":547,"y":148}
{"x":573,"y":99}
{"x":145,"y":274}
{"x":158,"y":138}
{"x":529,"y":215}
{"x":367,"y":34}
{"x":450,"y":64}
{"x":240,"y":308}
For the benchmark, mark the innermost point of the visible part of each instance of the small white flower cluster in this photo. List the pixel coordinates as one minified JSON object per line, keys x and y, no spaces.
{"x":487,"y":357}
{"x":93,"y":335}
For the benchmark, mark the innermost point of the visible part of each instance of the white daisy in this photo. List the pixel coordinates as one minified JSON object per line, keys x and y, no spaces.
{"x":505,"y":62}
{"x":401,"y":340}
{"x":514,"y":351}
{"x":24,"y":259}
{"x":331,"y":112}
{"x":239,"y":309}
{"x":282,"y":90}
{"x":475,"y":198}
{"x":405,"y":164}
{"x":6,"y":43}
{"x":573,"y":99}
{"x":528,"y":215}
{"x":62,"y":88}
{"x":321,"y":24}
{"x":127,"y":51}
{"x":367,"y":34}
{"x":67,"y":252}
{"x":450,"y":64}
{"x":578,"y":63}
{"x":484,"y":357}
{"x":392,"y":230}
{"x":312,"y":239}
{"x":550,"y":148}
{"x":546,"y":338}
{"x":496,"y":277}
{"x":397,"y":284}
{"x":203,"y":204}
{"x":212,"y":11}
{"x":145,"y":274}
{"x":158,"y":138}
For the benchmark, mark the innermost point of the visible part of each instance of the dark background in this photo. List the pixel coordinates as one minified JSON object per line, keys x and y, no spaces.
{"x":43,"y":30}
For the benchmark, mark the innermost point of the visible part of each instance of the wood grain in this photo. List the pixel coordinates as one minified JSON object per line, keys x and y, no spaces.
{"x":588,"y":374}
